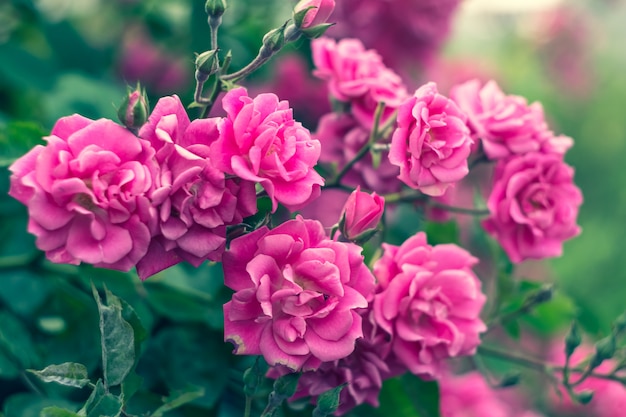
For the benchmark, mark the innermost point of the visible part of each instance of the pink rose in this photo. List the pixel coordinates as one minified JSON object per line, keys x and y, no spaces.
{"x":194,"y":200}
{"x":296,"y":295}
{"x":260,"y":142}
{"x":358,"y":76}
{"x":87,"y":193}
{"x":534,"y":205}
{"x":362,"y":372}
{"x":506,"y":124}
{"x":318,"y":15}
{"x":361,"y":213}
{"x":431,"y":143}
{"x":430,"y":303}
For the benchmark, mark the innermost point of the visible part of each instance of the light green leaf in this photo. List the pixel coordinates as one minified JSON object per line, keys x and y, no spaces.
{"x":117,"y":340}
{"x":69,"y":374}
{"x":179,"y":398}
{"x":31,"y":405}
{"x":101,"y":403}
{"x":57,"y":412}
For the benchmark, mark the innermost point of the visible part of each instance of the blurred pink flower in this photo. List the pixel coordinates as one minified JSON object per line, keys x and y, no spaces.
{"x":357,"y":76}
{"x":362,"y":212}
{"x":260,"y":142}
{"x":534,"y":206}
{"x":505,"y":124}
{"x":319,"y":14}
{"x":407,"y":33}
{"x":87,"y":193}
{"x":194,"y":200}
{"x":143,"y":60}
{"x":469,"y":395}
{"x":296,"y":295}
{"x":430,"y":303}
{"x":431,"y":143}
{"x":342,"y":137}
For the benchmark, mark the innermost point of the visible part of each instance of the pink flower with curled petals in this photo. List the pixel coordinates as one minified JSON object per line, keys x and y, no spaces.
{"x":260,"y":142}
{"x":430,"y":303}
{"x":318,"y":14}
{"x":296,"y":295}
{"x":506,"y":124}
{"x":87,"y":193}
{"x":357,"y":76}
{"x":195,"y":201}
{"x":431,"y":143}
{"x":362,"y":372}
{"x":534,"y":206}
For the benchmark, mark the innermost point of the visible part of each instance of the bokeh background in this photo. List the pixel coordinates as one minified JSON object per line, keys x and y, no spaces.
{"x":59,"y":57}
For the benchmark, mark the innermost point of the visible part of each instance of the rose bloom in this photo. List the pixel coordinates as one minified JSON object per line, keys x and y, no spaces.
{"x":260,"y":142}
{"x":431,"y":143}
{"x":296,"y":295}
{"x":342,"y":137}
{"x":469,"y":395}
{"x":87,"y":193}
{"x":319,"y":14}
{"x":357,"y":76}
{"x":361,"y":213}
{"x":362,"y":372}
{"x":534,"y":206}
{"x":430,"y":303}
{"x":506,"y":124}
{"x":195,"y":201}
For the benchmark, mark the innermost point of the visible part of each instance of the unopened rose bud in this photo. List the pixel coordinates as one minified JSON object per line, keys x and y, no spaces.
{"x":134,"y":110}
{"x":361,"y":214}
{"x":584,"y":397}
{"x":310,"y":13}
{"x":215,"y":8}
{"x":605,"y":349}
{"x":572,"y":340}
{"x":272,"y":42}
{"x":207,"y":64}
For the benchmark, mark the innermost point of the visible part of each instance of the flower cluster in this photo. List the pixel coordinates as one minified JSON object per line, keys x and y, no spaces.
{"x":534,"y":201}
{"x":96,"y":193}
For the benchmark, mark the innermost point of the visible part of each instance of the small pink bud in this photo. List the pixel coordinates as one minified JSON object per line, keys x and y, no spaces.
{"x":361,"y":213}
{"x":133,"y":112}
{"x":310,"y":13}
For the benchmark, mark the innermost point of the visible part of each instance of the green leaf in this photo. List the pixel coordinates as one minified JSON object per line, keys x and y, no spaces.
{"x":179,"y":398}
{"x":117,"y":340}
{"x":439,"y":233}
{"x":17,"y":138}
{"x":130,"y":386}
{"x":57,"y":412}
{"x":8,"y":370}
{"x":69,"y":374}
{"x":101,"y":403}
{"x":18,"y":282}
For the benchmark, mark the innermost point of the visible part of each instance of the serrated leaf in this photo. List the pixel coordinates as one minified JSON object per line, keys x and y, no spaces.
{"x":117,"y":340}
{"x":57,"y":412}
{"x":177,"y":399}
{"x":69,"y":374}
{"x":101,"y":403}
